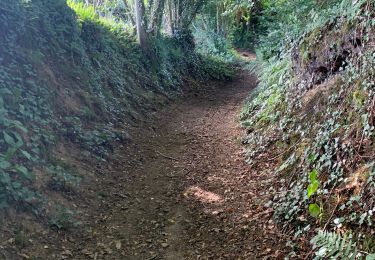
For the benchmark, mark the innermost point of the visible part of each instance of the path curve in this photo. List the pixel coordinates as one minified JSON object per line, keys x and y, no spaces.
{"x":182,"y":189}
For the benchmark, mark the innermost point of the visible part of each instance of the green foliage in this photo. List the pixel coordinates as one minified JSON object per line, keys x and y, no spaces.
{"x":314,"y":184}
{"x":225,"y":23}
{"x":64,"y":218}
{"x":282,"y":24}
{"x":325,"y":125}
{"x":84,"y":12}
{"x":214,"y":45}
{"x":88,"y":14}
{"x":328,"y":245}
{"x":25,"y":100}
{"x":63,"y":179}
{"x":13,"y":173}
{"x":217,"y":69}
{"x":314,"y":210}
{"x":267,"y":105}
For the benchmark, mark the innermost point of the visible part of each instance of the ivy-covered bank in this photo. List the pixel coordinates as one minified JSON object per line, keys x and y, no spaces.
{"x":70,"y":76}
{"x":314,"y":116}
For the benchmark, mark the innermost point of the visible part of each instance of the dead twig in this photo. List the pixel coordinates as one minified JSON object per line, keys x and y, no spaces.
{"x":363,"y":133}
{"x":257,"y":216}
{"x":309,"y":254}
{"x":333,"y":212}
{"x":167,"y":157}
{"x":291,"y":179}
{"x":120,"y":195}
{"x":290,"y":148}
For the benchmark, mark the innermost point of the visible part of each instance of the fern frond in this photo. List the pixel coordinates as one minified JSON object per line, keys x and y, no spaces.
{"x":328,"y":245}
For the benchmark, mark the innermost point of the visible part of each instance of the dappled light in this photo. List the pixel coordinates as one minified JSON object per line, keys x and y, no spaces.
{"x":203,"y":196}
{"x":187,"y":129}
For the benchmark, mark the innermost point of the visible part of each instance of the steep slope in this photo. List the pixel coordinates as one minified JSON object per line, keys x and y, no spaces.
{"x":313,"y":119}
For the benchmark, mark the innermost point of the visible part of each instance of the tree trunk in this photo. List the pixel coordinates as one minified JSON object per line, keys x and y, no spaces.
{"x":141,"y":29}
{"x":129,"y":13}
{"x":157,"y":17}
{"x":217,"y":19}
{"x":182,"y":13}
{"x":170,"y":16}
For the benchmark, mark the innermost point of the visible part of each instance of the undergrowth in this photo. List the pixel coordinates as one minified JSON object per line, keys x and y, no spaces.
{"x":218,"y":48}
{"x":315,"y":110}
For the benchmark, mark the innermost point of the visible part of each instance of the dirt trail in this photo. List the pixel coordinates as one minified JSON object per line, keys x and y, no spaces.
{"x":182,"y":190}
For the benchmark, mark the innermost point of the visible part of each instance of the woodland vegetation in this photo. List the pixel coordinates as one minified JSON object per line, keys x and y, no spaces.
{"x":79,"y":73}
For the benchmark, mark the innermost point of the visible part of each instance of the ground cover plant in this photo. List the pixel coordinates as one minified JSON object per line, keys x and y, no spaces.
{"x":315,"y":110}
{"x":115,"y":117}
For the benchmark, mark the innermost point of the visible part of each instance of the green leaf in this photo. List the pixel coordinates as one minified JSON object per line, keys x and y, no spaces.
{"x":370,"y":257}
{"x":312,"y":158}
{"x":4,"y":165}
{"x":314,"y":210}
{"x":19,"y":142}
{"x":19,"y":125}
{"x":9,"y":153}
{"x":314,"y":183}
{"x":8,"y":139}
{"x":313,"y":175}
{"x":4,"y":178}
{"x":312,"y":188}
{"x":24,"y":172}
{"x":26,"y":154}
{"x":5,"y":91}
{"x":16,"y":185}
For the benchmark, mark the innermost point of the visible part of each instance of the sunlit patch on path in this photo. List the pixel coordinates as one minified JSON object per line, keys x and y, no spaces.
{"x":202,"y":195}
{"x":182,"y":189}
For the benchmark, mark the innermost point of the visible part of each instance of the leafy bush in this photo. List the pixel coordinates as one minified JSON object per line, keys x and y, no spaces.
{"x":212,"y":44}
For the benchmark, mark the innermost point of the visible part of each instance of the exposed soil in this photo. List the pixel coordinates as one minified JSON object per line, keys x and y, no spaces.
{"x":180,"y":190}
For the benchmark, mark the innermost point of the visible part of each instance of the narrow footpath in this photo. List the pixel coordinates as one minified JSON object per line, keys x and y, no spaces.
{"x":178,"y":189}
{"x":182,"y":189}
